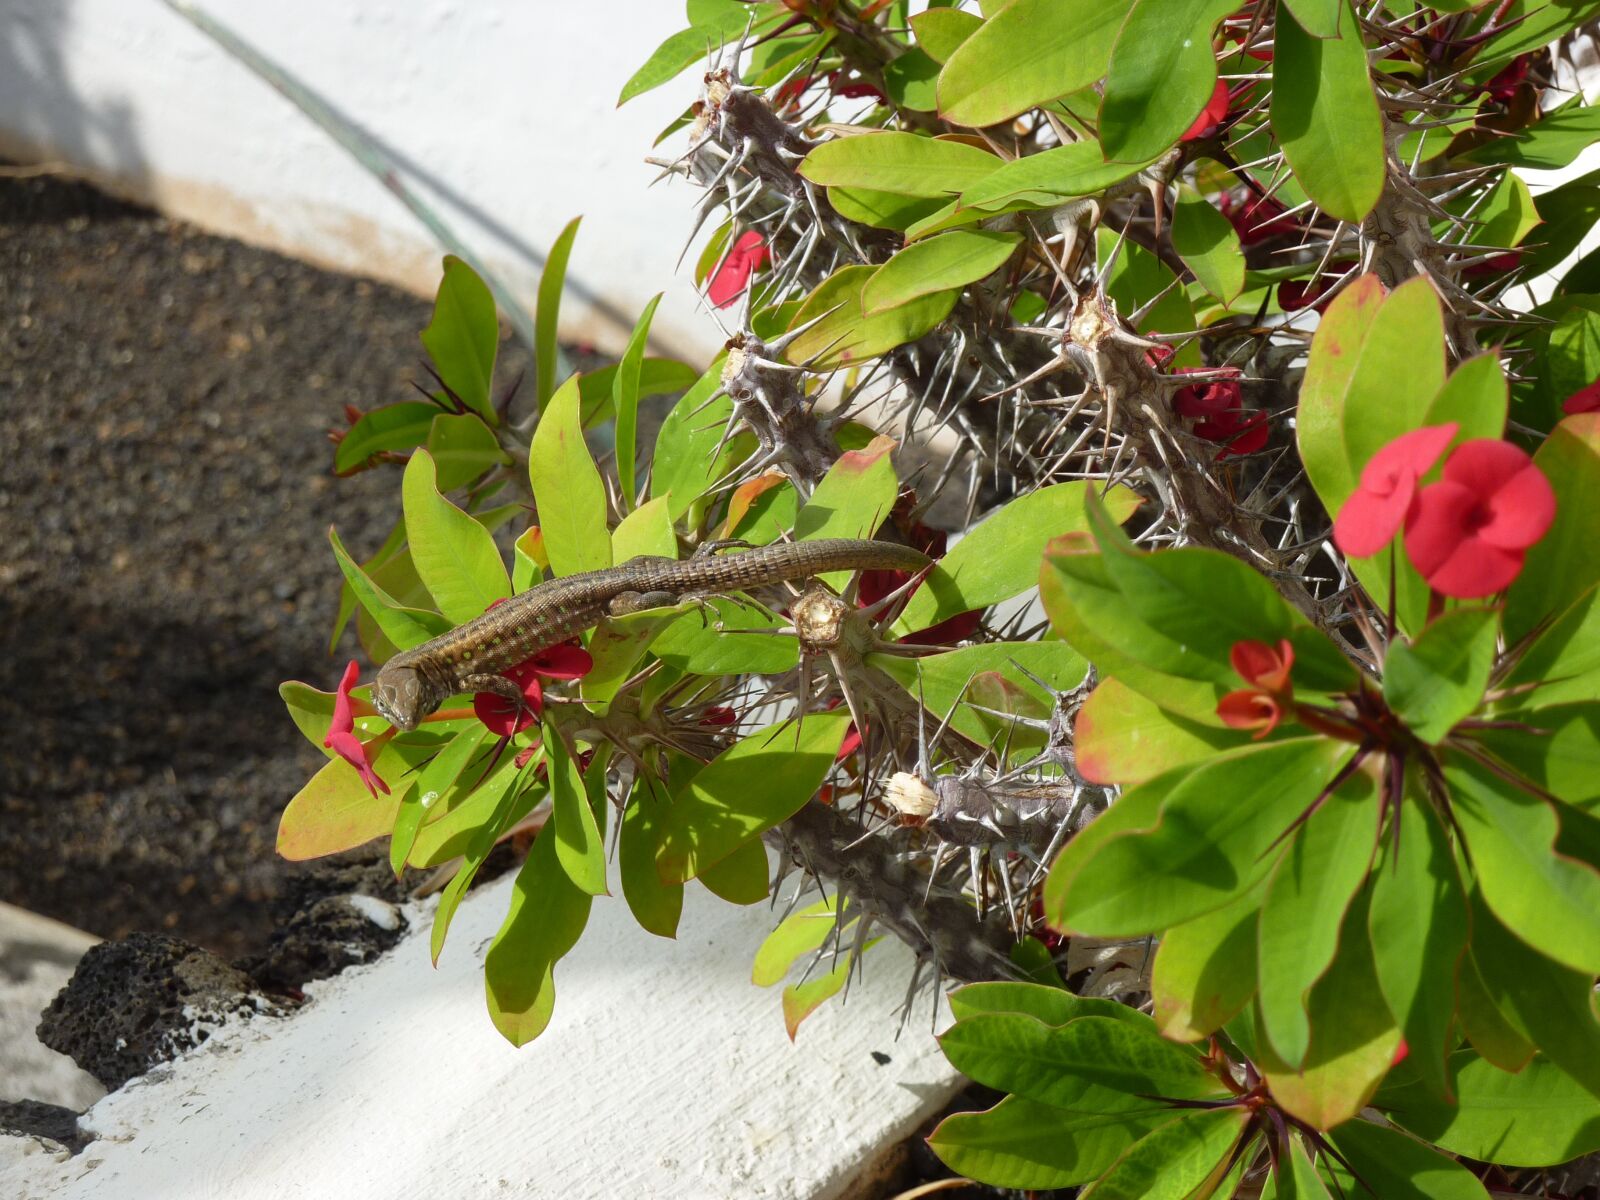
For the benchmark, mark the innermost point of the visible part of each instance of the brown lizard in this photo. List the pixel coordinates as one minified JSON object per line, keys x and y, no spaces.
{"x":470,"y":657}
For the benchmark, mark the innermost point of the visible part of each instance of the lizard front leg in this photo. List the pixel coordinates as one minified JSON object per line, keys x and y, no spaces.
{"x":499,"y":685}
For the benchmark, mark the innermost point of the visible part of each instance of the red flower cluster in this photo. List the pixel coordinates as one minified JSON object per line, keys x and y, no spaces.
{"x":1469,"y":533}
{"x":1271,"y":694}
{"x":342,"y":739}
{"x":747,"y":255}
{"x":566,"y":661}
{"x":875,"y":585}
{"x":1216,"y":406}
{"x":1256,"y":218}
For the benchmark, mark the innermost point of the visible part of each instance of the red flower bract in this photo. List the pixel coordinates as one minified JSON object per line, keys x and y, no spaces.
{"x":745,"y":257}
{"x":1583,"y":400}
{"x":500,"y":716}
{"x":1262,"y":706}
{"x":1265,"y":666}
{"x":1387,"y":492}
{"x":1216,"y":408}
{"x":342,"y":739}
{"x":1470,"y":532}
{"x":1211,"y":116}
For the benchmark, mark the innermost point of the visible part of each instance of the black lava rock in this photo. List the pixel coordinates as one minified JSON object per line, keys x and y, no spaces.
{"x":141,"y":1001}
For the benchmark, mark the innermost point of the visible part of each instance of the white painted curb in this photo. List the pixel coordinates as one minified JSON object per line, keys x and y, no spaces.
{"x":664,"y":1075}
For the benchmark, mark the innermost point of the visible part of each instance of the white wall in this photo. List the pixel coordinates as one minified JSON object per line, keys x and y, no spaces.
{"x":501,"y":111}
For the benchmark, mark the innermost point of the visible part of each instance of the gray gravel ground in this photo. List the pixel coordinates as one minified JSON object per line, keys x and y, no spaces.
{"x":165,"y":491}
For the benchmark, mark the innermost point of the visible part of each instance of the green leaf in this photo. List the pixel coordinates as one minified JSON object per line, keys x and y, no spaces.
{"x":1319,"y":18}
{"x":1538,"y":1117}
{"x":800,"y":933}
{"x":686,"y":462}
{"x":1123,"y":737}
{"x":1210,"y":844}
{"x":567,"y":488}
{"x":1047,"y":178}
{"x":705,"y":640}
{"x":1021,"y":1144}
{"x":1377,"y":362}
{"x":1353,"y":1040}
{"x":657,"y":377}
{"x":1561,"y":754}
{"x":1300,"y":1181}
{"x":670,"y":59}
{"x":1092,"y":1064}
{"x":1305,"y":904}
{"x":910,"y":81}
{"x":1205,"y":970}
{"x":1552,"y":1004}
{"x":463,"y":448}
{"x":1438,"y":680}
{"x":1392,"y":1166}
{"x":1085,"y":607}
{"x":657,"y":906}
{"x":1550,"y":901}
{"x":393,"y":427}
{"x":1171,"y":1161}
{"x":1162,"y":72}
{"x":625,"y":397}
{"x":744,"y":877}
{"x":454,"y":555}
{"x":512,"y":802}
{"x":845,"y":335}
{"x":940,"y":31}
{"x":906,"y":164}
{"x":1051,"y":1005}
{"x":1564,"y":660}
{"x":1181,"y":594}
{"x":1487,"y":1026}
{"x":405,"y":627}
{"x":1418,"y":923}
{"x":646,"y":530}
{"x":951,"y":260}
{"x":464,"y":335}
{"x":940,"y":681}
{"x":1031,"y":52}
{"x":1326,"y":117}
{"x":1208,"y":244}
{"x":1507,"y":214}
{"x":547,"y":311}
{"x":547,"y":915}
{"x":579,"y":847}
{"x":1475,"y":397}
{"x":334,"y":811}
{"x":1000,"y":557}
{"x":1549,"y":144}
{"x":1562,"y":565}
{"x":747,"y":789}
{"x":437,"y":778}
{"x":883,"y":210}
{"x":853,"y":499}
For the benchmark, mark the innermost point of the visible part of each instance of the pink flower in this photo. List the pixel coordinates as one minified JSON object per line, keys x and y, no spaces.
{"x":1583,"y":400}
{"x":342,"y":738}
{"x":748,"y":255}
{"x":1211,"y":116}
{"x":1387,"y":493}
{"x":1470,"y":532}
{"x":1261,"y":706}
{"x":499,"y":715}
{"x":1217,"y":410}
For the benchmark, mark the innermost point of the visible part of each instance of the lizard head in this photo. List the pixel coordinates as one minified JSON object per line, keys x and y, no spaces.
{"x":400,"y":695}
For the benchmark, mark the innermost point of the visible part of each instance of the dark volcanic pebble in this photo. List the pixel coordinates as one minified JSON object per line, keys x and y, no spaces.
{"x":165,"y":493}
{"x":141,"y":1001}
